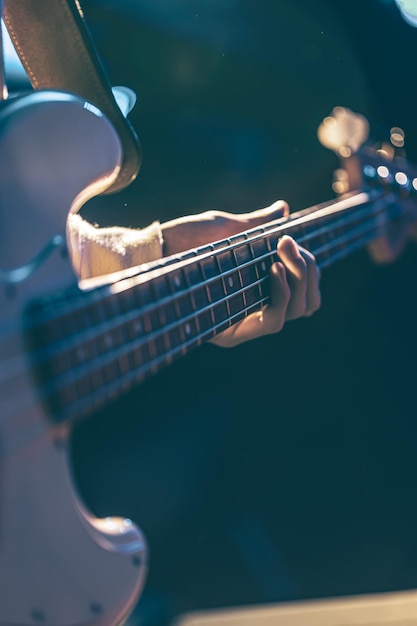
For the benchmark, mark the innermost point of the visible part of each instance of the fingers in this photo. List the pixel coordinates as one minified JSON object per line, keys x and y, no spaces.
{"x":269,"y":320}
{"x":296,"y":268}
{"x":313,"y":294}
{"x":263,"y":216}
{"x":275,"y":313}
{"x":303,"y":278}
{"x":295,"y":292}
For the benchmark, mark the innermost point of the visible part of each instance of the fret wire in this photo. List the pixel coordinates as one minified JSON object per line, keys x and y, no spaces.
{"x":285,"y":224}
{"x":130,"y":377}
{"x":335,"y":256}
{"x":89,"y":334}
{"x":176,"y":302}
{"x":136,"y":345}
{"x":356,"y":243}
{"x":193,"y":317}
{"x":121,"y":319}
{"x":348,"y":220}
{"x":136,"y":375}
{"x":208,"y":292}
{"x":254,"y":262}
{"x":333,"y":209}
{"x":116,"y":354}
{"x":324,"y":249}
{"x":162,"y":316}
{"x":240,"y":280}
{"x":221,"y":276}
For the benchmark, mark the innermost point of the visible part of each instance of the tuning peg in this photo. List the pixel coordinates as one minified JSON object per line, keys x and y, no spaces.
{"x":343,"y":131}
{"x":341,"y":182}
{"x":397,"y":137}
{"x":385,"y":150}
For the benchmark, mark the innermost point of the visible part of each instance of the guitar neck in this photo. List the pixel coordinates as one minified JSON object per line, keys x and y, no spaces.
{"x":87,"y":347}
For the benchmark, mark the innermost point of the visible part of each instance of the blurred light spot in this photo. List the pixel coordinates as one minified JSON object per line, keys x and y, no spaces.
{"x":329,"y":121}
{"x":401,"y":178}
{"x":383,"y":172}
{"x":339,"y":186}
{"x":397,"y":137}
{"x":408,"y":10}
{"x":387,"y":152}
{"x":345,"y":151}
{"x":415,"y":183}
{"x":369,"y":171}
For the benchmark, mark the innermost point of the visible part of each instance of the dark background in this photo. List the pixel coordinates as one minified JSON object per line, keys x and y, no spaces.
{"x":284,"y":468}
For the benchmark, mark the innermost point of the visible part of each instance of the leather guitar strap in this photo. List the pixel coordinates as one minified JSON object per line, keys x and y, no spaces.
{"x":57,"y":52}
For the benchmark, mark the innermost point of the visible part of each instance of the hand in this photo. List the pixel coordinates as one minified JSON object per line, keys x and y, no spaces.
{"x":396,"y":235}
{"x":294,"y":279}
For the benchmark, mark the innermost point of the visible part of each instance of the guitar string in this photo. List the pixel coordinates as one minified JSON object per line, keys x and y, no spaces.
{"x":115,"y":355}
{"x":91,"y":333}
{"x":335,"y":209}
{"x":6,"y":334}
{"x":357,"y":242}
{"x":340,"y":222}
{"x":84,"y":404}
{"x":100,"y":330}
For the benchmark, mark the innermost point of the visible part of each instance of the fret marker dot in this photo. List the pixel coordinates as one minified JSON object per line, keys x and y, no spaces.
{"x":187,"y":329}
{"x":230,"y":281}
{"x":263,"y":266}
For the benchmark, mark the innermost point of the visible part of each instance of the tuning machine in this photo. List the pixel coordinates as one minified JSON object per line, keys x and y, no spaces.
{"x":343,"y":131}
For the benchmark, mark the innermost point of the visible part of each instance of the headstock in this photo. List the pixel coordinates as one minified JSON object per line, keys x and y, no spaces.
{"x":343,"y":131}
{"x":384,"y":165}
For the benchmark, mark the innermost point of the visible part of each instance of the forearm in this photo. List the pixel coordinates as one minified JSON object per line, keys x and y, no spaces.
{"x":97,"y":251}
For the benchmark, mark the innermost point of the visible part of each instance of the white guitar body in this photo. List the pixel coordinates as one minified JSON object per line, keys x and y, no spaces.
{"x":58,"y":564}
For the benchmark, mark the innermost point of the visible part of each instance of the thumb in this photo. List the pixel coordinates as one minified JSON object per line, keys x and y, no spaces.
{"x":263,"y":216}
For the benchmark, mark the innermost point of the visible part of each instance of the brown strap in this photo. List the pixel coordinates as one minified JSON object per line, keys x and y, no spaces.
{"x":57,"y":52}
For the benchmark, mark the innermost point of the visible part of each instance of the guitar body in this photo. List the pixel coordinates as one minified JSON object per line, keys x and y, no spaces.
{"x":58,"y":564}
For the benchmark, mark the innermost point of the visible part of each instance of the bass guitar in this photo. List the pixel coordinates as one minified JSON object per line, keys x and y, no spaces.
{"x":67,"y":349}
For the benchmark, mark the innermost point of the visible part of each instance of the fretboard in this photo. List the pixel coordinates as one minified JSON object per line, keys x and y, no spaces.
{"x":88,"y":347}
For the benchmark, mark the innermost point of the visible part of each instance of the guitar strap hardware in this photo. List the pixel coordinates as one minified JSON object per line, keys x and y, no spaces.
{"x":57,"y":52}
